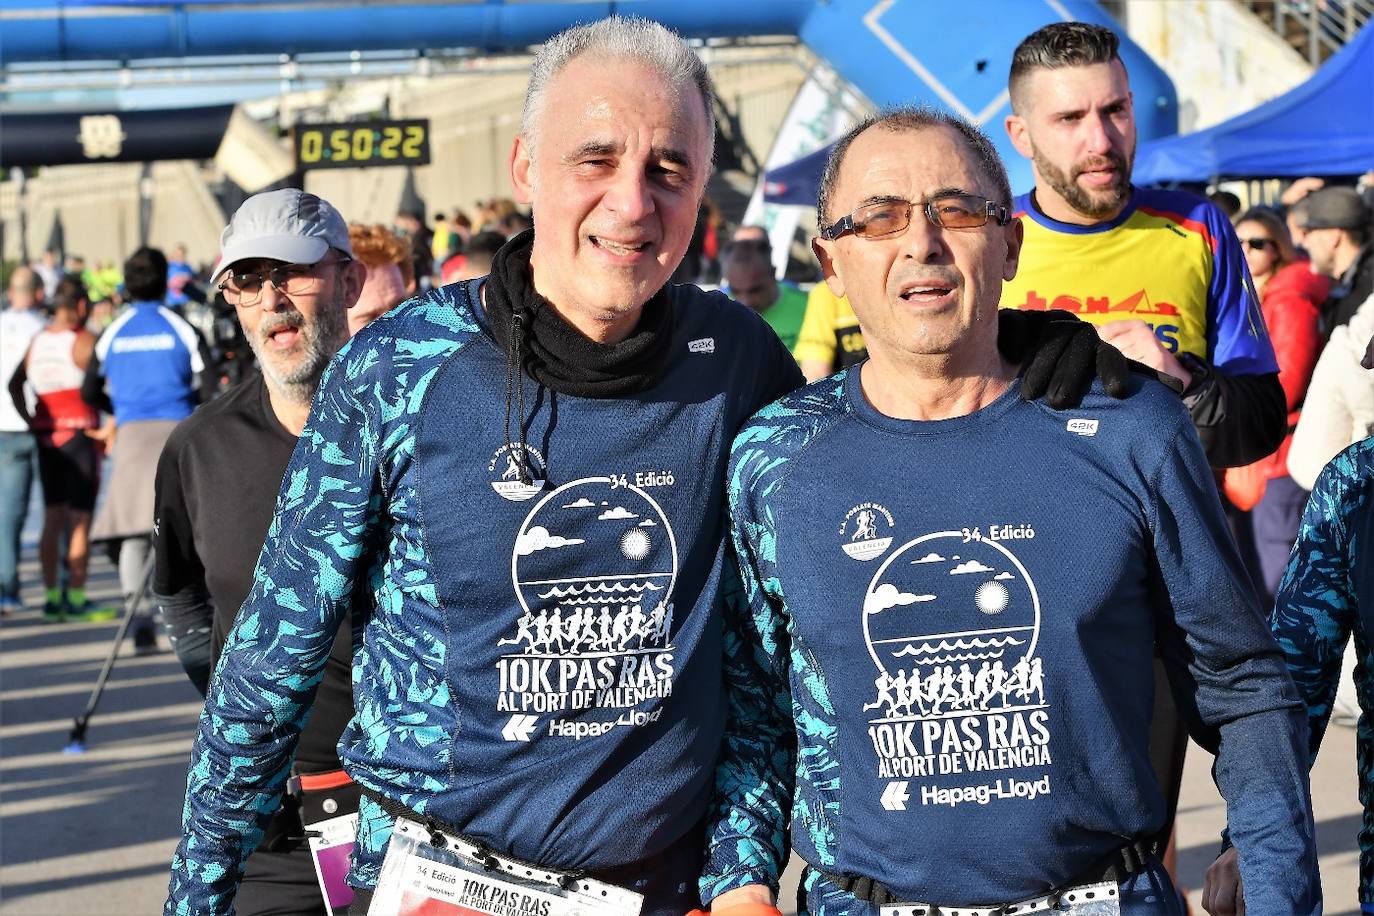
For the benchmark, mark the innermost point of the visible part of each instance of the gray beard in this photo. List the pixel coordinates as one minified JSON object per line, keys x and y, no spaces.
{"x":328,"y":333}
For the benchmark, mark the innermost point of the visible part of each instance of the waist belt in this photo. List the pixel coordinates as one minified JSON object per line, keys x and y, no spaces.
{"x":318,"y":782}
{"x":1114,"y":868}
{"x":441,"y":834}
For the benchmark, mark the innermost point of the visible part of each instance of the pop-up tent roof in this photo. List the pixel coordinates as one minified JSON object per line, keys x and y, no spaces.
{"x":1323,"y":127}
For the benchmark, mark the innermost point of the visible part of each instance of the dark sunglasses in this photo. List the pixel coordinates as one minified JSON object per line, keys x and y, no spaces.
{"x":1257,"y":244}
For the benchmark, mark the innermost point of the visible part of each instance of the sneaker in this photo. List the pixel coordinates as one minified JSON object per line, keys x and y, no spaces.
{"x":54,"y":612}
{"x":145,"y":642}
{"x":9,"y":606}
{"x":91,"y":612}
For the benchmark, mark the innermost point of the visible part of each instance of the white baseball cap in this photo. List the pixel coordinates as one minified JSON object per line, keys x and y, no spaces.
{"x":288,"y":225}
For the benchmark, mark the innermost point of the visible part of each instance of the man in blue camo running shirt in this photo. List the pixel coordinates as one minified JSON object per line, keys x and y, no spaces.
{"x":526,"y":471}
{"x":1326,"y":598}
{"x":958,"y":631}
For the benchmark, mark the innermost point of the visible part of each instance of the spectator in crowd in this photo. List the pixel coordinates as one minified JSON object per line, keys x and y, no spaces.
{"x":148,"y":371}
{"x":1295,"y":218}
{"x":479,"y":427}
{"x":1339,"y":409}
{"x":442,"y":239}
{"x":748,"y":272}
{"x":1227,"y":203}
{"x":1322,"y":600}
{"x":1339,"y":242}
{"x":752,"y":233}
{"x":1290,"y":297}
{"x":830,"y":338}
{"x":20,"y":322}
{"x":285,"y":263}
{"x":181,"y":279}
{"x":410,"y":226}
{"x":916,"y":230}
{"x":1094,"y":244}
{"x":49,"y":269}
{"x":390,"y":273}
{"x":68,"y":457}
{"x":476,"y":260}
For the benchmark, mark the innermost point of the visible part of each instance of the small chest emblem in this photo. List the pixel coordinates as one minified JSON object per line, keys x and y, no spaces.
{"x":702,"y":345}
{"x":1082,"y":426}
{"x":505,"y":472}
{"x":866,"y":531}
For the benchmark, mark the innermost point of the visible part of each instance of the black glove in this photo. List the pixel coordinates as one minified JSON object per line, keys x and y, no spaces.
{"x":1062,"y":355}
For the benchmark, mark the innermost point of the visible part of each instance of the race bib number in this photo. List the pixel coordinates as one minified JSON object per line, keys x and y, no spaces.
{"x":331,"y":846}
{"x":419,"y":878}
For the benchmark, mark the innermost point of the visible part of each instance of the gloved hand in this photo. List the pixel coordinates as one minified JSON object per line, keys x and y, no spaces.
{"x":741,"y":909}
{"x":1062,"y":355}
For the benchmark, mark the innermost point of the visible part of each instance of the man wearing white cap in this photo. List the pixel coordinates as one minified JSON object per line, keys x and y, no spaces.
{"x":287,"y":266}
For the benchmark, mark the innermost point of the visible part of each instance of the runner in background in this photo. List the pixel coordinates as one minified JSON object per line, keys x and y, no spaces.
{"x":149,"y":370}
{"x":68,"y":458}
{"x":288,"y":268}
{"x":21,"y":320}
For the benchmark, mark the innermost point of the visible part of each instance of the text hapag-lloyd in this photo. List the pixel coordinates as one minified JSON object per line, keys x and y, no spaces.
{"x":1002,"y":788}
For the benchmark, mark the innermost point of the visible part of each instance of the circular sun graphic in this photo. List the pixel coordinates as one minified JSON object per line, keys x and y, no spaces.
{"x":634,"y":544}
{"x":991,"y":597}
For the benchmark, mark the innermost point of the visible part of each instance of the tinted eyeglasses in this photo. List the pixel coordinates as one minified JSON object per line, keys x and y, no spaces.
{"x":244,"y":288}
{"x":1257,"y":244}
{"x":889,"y":217}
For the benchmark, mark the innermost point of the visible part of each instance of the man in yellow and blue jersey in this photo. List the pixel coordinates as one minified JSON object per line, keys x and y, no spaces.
{"x":1160,"y":273}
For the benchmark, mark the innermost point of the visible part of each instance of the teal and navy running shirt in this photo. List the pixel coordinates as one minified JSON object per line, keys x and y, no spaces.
{"x":954,"y":623}
{"x":1325,"y":598}
{"x":542,"y":670}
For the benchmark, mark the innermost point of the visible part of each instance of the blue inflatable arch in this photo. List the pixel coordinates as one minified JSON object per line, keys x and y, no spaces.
{"x":951,"y":53}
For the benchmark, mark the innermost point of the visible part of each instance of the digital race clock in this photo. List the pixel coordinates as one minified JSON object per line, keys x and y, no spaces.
{"x":357,"y":144}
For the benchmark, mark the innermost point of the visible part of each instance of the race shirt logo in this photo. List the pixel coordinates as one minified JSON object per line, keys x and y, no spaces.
{"x":591,"y":651}
{"x":866,"y":531}
{"x":506,"y":471}
{"x":951,"y":621}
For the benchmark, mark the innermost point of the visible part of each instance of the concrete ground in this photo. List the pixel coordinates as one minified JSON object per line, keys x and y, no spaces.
{"x":94,"y":832}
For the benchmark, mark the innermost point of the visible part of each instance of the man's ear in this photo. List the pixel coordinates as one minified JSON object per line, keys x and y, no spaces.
{"x":1020,"y":135}
{"x":1015,"y":232}
{"x":355,"y":275}
{"x":522,"y":170}
{"x":821,"y":249}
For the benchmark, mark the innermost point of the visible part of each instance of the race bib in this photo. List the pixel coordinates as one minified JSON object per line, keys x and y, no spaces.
{"x":420,"y":878}
{"x":331,"y":846}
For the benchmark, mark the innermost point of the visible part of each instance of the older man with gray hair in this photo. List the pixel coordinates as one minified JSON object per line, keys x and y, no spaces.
{"x":524,"y":474}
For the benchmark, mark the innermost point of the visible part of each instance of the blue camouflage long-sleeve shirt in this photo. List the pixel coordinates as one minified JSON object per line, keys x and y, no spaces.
{"x":1325,"y":597}
{"x":955,"y":622}
{"x":542,"y":668}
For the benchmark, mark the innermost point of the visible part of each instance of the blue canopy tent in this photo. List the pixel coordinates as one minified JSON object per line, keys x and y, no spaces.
{"x":1323,"y":127}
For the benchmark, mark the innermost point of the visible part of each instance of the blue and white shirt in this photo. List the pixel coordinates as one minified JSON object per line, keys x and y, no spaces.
{"x":953,"y":623}
{"x":150,"y":358}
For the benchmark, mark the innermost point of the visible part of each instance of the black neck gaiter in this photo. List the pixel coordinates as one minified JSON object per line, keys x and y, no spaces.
{"x":557,"y":355}
{"x":541,"y":345}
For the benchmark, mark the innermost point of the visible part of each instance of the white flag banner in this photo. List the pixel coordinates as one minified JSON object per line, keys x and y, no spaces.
{"x":821,"y":112}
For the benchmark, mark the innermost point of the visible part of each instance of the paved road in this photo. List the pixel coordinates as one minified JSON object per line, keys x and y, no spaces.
{"x":93,"y":833}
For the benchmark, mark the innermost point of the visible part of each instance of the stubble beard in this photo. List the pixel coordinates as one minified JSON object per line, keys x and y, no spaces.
{"x":1099,"y":205}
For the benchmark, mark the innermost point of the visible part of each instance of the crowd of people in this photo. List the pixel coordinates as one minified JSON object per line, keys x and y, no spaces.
{"x":549,"y":582}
